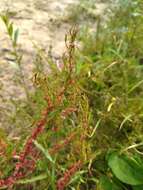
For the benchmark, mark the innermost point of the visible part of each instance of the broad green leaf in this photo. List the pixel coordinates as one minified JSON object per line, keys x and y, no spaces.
{"x":137,"y":158}
{"x":106,"y":184}
{"x":138,"y":187}
{"x":125,"y":169}
{"x":44,"y":151}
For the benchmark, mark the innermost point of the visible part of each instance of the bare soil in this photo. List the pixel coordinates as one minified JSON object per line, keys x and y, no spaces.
{"x":41,"y":22}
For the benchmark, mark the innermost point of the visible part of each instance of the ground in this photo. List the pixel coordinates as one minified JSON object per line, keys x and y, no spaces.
{"x":43,"y":23}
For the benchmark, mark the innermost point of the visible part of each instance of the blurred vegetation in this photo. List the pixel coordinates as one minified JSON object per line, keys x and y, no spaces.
{"x":95,"y":108}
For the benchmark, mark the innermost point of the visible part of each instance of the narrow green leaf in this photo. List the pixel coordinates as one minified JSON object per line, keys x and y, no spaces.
{"x":135,"y":86}
{"x":33,"y":179}
{"x":10,"y":29}
{"x":127,"y":118}
{"x":44,"y":151}
{"x":16,"y":34}
{"x":5,"y":19}
{"x":14,"y":65}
